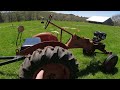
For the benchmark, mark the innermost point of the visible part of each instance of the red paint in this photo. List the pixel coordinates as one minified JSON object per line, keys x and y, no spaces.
{"x":41,"y":45}
{"x":46,"y":36}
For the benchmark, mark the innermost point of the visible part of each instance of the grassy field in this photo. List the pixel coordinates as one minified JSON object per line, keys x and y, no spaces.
{"x":8,"y":34}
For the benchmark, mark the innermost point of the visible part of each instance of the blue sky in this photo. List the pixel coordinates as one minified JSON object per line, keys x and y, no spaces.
{"x":91,"y":13}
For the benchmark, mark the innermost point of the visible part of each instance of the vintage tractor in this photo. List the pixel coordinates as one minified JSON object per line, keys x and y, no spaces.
{"x":45,"y":52}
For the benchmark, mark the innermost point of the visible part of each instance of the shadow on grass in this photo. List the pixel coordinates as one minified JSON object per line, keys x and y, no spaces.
{"x":1,"y":73}
{"x":114,"y":71}
{"x":93,"y":68}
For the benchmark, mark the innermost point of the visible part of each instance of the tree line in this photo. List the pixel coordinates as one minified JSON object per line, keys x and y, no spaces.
{"x":17,"y":16}
{"x":116,"y":20}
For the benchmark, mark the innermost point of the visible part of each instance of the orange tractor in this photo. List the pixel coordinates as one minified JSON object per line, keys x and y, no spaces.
{"x":45,"y":52}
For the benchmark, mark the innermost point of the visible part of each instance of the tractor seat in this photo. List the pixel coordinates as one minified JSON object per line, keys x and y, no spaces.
{"x":30,"y":42}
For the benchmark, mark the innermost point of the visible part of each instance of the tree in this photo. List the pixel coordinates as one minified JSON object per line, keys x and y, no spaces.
{"x":1,"y":19}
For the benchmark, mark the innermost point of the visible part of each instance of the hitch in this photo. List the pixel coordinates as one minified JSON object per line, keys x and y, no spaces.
{"x":11,"y":59}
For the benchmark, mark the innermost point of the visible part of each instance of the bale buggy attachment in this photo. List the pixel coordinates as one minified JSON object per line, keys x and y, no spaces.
{"x":89,"y":46}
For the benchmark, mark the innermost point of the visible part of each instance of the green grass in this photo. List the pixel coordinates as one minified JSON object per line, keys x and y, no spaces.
{"x":8,"y":34}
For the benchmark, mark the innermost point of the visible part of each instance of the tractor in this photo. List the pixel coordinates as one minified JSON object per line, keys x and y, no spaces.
{"x":45,"y":52}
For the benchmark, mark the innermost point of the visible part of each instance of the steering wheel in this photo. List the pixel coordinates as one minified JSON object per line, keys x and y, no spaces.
{"x":48,"y":21}
{"x":20,"y":29}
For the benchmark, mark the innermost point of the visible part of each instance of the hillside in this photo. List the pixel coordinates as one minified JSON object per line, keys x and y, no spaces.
{"x":37,"y":15}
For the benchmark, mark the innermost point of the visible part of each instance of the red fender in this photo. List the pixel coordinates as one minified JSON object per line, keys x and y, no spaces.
{"x":41,"y":45}
{"x":46,"y":36}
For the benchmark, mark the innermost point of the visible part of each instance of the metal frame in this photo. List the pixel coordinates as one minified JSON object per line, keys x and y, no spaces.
{"x":10,"y":59}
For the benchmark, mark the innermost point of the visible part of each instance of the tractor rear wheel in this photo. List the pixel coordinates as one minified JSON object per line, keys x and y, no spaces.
{"x":57,"y":63}
{"x":110,"y":62}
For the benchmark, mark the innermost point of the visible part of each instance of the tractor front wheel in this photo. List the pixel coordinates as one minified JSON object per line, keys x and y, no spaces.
{"x":57,"y":63}
{"x":110,"y":62}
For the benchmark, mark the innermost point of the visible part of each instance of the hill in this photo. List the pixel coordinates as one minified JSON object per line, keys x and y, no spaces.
{"x":11,"y":16}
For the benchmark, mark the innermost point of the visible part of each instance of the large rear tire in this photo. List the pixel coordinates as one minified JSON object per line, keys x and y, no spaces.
{"x":46,"y":59}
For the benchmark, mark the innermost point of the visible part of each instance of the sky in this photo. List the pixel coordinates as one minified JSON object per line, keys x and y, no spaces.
{"x":91,"y":13}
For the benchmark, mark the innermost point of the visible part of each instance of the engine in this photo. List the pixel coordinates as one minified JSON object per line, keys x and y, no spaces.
{"x":98,"y":36}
